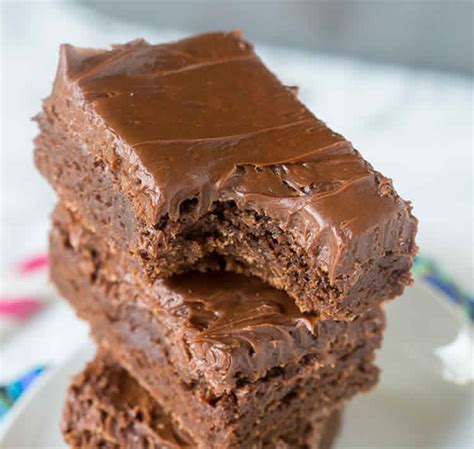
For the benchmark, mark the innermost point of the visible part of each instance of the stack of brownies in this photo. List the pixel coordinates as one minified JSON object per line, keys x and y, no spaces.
{"x":230,"y":252}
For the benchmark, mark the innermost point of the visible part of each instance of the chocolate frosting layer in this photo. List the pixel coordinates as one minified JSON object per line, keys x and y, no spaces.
{"x":203,"y":120}
{"x":241,"y":328}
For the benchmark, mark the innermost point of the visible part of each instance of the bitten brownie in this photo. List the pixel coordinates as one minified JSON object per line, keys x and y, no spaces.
{"x":193,"y":155}
{"x":218,"y":329}
{"x":230,"y":380}
{"x":106,"y":408}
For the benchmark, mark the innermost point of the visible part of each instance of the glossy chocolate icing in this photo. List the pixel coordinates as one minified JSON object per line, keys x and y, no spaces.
{"x":204,"y":119}
{"x":241,"y":327}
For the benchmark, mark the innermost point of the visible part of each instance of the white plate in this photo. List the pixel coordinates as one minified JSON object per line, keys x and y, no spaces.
{"x":413,"y":407}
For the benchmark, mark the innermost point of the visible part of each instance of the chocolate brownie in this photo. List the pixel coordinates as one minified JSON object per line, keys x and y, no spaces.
{"x":217,"y":328}
{"x":106,"y":408}
{"x":192,"y":154}
{"x":274,"y":391}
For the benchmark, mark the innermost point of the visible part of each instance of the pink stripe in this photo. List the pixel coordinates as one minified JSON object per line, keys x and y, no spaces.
{"x":20,"y":308}
{"x":33,"y":263}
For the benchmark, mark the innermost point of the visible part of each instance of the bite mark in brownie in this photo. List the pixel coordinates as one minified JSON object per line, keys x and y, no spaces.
{"x":209,"y":153}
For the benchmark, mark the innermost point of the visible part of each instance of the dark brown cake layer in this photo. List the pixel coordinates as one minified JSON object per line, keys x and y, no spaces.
{"x":205,"y":152}
{"x":218,"y":330}
{"x":106,"y":408}
{"x":252,"y":413}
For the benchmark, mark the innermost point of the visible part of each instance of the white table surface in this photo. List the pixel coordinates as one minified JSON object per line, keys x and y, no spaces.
{"x":414,"y":126}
